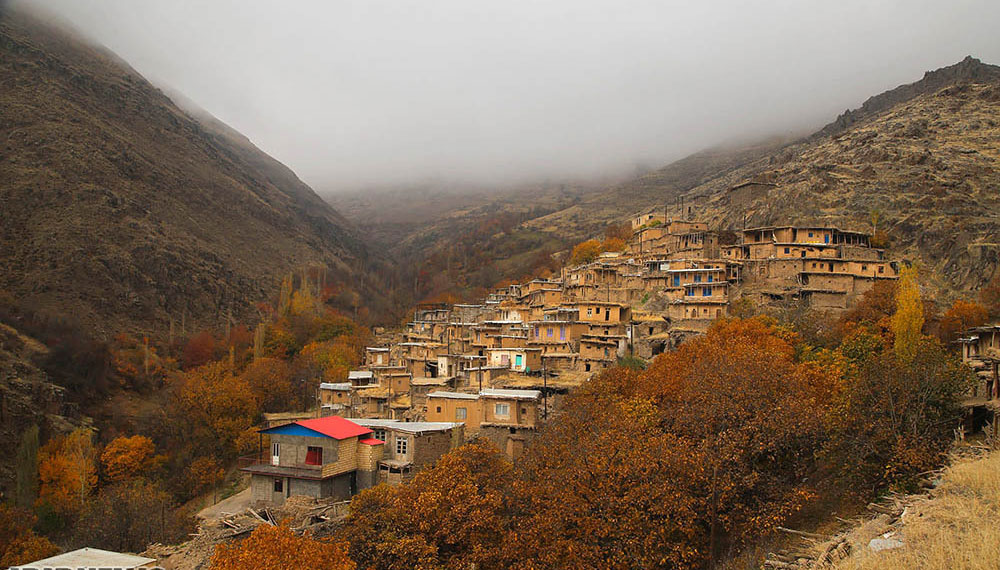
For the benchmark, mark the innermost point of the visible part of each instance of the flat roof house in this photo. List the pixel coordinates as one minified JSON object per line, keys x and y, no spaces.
{"x":411,"y":446}
{"x":319,"y":458}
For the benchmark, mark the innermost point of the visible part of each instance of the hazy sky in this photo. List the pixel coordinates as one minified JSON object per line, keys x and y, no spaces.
{"x":353,"y":93}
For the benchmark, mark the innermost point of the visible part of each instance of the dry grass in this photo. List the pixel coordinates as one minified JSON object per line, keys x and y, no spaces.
{"x":956,"y":527}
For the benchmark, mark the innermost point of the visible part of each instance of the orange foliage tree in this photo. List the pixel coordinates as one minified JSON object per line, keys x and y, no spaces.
{"x":199,"y":350}
{"x":213,"y":409}
{"x":129,"y":457}
{"x":270,"y":380}
{"x":585,"y":252}
{"x":613,"y":244}
{"x":450,"y":516}
{"x":67,"y":471}
{"x":269,"y":547}
{"x":748,"y":406}
{"x":587,"y":497}
{"x":203,"y":474}
{"x":18,"y":542}
{"x":961,"y":316}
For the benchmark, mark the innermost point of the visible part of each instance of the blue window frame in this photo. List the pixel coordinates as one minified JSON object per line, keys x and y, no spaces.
{"x":706,"y":291}
{"x":697,"y":278}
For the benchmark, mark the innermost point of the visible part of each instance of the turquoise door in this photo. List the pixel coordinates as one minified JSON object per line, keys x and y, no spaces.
{"x":518,"y":361}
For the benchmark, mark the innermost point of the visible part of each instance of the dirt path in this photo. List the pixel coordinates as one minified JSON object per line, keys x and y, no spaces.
{"x":235,"y":504}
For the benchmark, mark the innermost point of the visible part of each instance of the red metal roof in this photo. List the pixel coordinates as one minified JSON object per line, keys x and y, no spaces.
{"x":335,"y":427}
{"x":372,"y":441}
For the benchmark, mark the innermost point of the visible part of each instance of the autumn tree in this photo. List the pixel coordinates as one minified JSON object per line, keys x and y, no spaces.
{"x":874,"y":309}
{"x":585,"y":252}
{"x":67,"y":471}
{"x":199,"y":350}
{"x":213,"y":410}
{"x":18,"y":542}
{"x":893,"y":416}
{"x":908,"y":320}
{"x":129,"y":457}
{"x":613,"y":244}
{"x":270,"y":381}
{"x":129,"y":516}
{"x":269,"y":547}
{"x":962,"y":316}
{"x":202,"y":474}
{"x":448,"y":516}
{"x":749,"y":408}
{"x":588,"y":495}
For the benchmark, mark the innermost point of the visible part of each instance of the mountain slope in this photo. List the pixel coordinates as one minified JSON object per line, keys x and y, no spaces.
{"x":928,"y":168}
{"x":123,"y":211}
{"x":923,"y":156}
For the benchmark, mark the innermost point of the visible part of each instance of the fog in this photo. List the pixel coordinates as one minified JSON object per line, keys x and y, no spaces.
{"x":364,"y":93}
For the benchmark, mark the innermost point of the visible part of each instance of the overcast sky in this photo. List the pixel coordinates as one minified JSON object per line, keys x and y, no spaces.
{"x":354,"y":93}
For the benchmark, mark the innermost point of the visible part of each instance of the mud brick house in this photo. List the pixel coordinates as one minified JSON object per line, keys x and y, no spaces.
{"x":411,"y":446}
{"x":320,"y":458}
{"x":335,"y":398}
{"x":981,"y":351}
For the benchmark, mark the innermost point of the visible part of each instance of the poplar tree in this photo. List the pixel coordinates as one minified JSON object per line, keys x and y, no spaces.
{"x":908,"y":320}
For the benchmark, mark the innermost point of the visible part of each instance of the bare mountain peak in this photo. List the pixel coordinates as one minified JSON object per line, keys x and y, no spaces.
{"x":969,"y":70}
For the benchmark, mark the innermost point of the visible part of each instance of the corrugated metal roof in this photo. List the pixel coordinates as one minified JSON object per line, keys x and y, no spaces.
{"x":359,"y":374}
{"x":408,"y":427}
{"x":339,"y":386}
{"x":92,"y":558}
{"x":516,"y":394}
{"x":454,"y":395}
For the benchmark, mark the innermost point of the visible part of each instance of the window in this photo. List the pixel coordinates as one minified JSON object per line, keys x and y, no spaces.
{"x":502,"y":410}
{"x":881,"y":269}
{"x":711,"y":278}
{"x":864,"y":268}
{"x":524,"y":411}
{"x":461,"y":413}
{"x":401,"y":444}
{"x":690,"y":292}
{"x":677,"y":280}
{"x":379,"y":434}
{"x":650,"y":330}
{"x":697,"y":278}
{"x":314,"y":455}
{"x":548,"y":332}
{"x":810,"y":234}
{"x":789,"y":250}
{"x":279,"y":486}
{"x":536,"y":331}
{"x":439,"y":409}
{"x":706,"y":291}
{"x":562,"y":333}
{"x":590,"y":311}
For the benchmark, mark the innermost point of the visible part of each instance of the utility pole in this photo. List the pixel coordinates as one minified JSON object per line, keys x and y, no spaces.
{"x":545,"y":392}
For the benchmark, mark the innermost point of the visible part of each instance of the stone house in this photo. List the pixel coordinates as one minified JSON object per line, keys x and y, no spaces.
{"x":320,"y":458}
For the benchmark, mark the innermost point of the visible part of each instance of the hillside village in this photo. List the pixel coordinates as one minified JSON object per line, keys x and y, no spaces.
{"x":499,"y":368}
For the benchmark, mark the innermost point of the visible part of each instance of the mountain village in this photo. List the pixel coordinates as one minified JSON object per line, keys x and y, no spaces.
{"x":498,"y":369}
